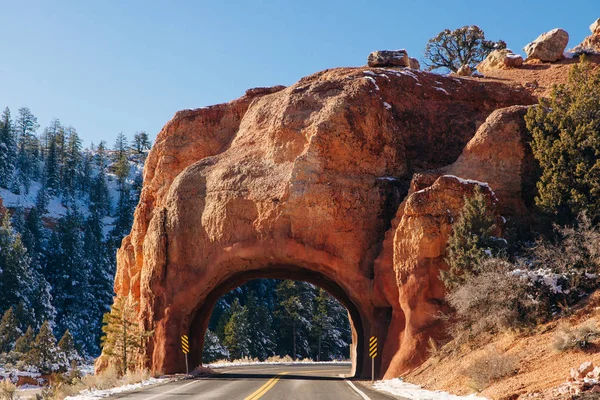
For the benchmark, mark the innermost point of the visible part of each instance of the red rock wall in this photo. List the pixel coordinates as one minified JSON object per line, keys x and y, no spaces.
{"x":307,"y":181}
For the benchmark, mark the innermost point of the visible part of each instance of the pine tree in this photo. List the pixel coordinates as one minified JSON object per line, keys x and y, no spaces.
{"x":68,"y":273}
{"x":123,"y":339}
{"x":213,"y":349}
{"x":330,"y":328}
{"x":16,"y":279}
{"x":121,"y":164}
{"x":28,"y":147}
{"x":72,"y":162}
{"x":141,"y":142}
{"x":471,"y":241}
{"x":67,"y":346}
{"x":262,"y":344}
{"x":237,"y":338}
{"x":51,"y":167}
{"x":25,"y":343}
{"x":8,"y":150}
{"x":45,"y":355}
{"x":9,"y":331}
{"x":293,"y":311}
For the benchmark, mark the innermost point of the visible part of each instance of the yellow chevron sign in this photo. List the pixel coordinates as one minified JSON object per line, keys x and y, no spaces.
{"x":185,"y":345}
{"x":373,"y":347}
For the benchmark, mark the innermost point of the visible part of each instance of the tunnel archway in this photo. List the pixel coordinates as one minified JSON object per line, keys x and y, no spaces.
{"x":357,"y":316}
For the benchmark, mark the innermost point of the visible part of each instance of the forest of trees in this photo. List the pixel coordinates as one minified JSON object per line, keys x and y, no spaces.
{"x":267,"y":317}
{"x":59,"y":239}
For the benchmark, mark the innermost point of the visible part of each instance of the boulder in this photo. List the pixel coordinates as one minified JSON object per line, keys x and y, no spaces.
{"x":465,"y":70}
{"x":388,"y":58}
{"x":595,"y":27}
{"x":500,"y":59}
{"x":414,"y":63}
{"x":549,"y":46}
{"x":591,"y":44}
{"x":584,"y":369}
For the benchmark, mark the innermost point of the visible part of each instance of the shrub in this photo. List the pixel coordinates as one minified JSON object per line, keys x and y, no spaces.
{"x":7,"y":390}
{"x":489,"y":368}
{"x":569,"y":337}
{"x":492,"y":301}
{"x":565,"y":132}
{"x":463,"y":46}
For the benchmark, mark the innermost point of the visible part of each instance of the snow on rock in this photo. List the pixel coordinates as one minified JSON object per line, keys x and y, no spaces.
{"x":406,"y":390}
{"x":387,"y":105}
{"x":374,"y":82}
{"x":99,"y":394}
{"x":441,"y":90}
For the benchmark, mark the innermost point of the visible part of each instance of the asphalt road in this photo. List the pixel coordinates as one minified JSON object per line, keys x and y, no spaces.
{"x":268,"y":382}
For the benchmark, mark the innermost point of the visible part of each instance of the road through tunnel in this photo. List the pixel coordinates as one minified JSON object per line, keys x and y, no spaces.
{"x":365,"y":320}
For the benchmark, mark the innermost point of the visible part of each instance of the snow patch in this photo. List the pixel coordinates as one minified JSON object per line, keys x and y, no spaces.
{"x":441,"y":90}
{"x":406,"y":390}
{"x":386,"y":178}
{"x":387,"y":105}
{"x":374,"y":82}
{"x":99,"y":394}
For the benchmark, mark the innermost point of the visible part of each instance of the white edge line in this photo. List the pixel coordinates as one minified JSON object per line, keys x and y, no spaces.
{"x":357,"y":390}
{"x":172,"y":390}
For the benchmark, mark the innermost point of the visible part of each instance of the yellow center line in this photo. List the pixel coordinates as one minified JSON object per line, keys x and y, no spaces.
{"x":266,"y":387}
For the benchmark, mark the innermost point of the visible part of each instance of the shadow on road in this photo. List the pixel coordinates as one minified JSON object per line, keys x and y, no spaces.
{"x":250,"y":376}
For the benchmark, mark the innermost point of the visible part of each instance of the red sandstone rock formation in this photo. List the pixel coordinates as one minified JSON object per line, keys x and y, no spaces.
{"x":308,"y":182}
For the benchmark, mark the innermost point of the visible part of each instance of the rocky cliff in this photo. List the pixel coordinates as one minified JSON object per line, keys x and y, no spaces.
{"x":349,"y":179}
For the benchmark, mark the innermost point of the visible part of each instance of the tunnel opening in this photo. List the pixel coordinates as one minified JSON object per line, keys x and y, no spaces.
{"x":271,"y":319}
{"x":281,"y":273}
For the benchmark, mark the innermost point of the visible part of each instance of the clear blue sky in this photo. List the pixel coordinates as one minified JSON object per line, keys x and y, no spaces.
{"x":126,"y":65}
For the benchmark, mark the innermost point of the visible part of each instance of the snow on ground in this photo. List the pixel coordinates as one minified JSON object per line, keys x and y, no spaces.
{"x":99,"y":394}
{"x":225,"y":364}
{"x":407,"y":390}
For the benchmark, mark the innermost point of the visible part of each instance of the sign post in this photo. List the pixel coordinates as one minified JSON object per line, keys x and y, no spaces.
{"x":373,"y":354}
{"x":185,"y":347}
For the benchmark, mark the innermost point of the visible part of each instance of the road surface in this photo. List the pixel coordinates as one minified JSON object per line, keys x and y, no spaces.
{"x":265,"y":382}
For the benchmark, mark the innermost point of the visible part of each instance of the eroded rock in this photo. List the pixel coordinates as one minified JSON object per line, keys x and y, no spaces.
{"x":306,"y":182}
{"x":389,"y":58}
{"x":500,"y":59}
{"x":549,"y":46}
{"x":591,"y":44}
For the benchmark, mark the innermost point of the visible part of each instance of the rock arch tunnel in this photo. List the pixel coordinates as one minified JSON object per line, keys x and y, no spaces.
{"x":362,"y":323}
{"x":333,"y":180}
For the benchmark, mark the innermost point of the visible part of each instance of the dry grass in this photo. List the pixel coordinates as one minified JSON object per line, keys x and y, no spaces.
{"x":7,"y":390}
{"x":568,"y":337}
{"x":489,"y":368}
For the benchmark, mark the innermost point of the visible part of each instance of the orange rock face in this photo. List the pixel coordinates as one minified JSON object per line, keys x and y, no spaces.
{"x":311,"y":182}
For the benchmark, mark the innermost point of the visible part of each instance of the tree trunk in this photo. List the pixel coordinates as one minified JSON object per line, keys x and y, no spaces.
{"x":294,"y":339}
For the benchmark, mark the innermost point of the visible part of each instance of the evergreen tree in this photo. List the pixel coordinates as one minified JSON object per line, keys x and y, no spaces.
{"x":237,"y":338}
{"x":213,"y":349}
{"x":8,"y":150}
{"x":68,"y":272}
{"x":121,"y":164}
{"x":330,"y":328}
{"x":262,"y":344}
{"x":25,"y":343}
{"x":141,"y":142}
{"x":15,"y":274}
{"x":294,"y":308}
{"x":67,"y":346}
{"x":9,"y":331}
{"x":45,"y":355}
{"x":73,"y":158}
{"x":51,"y":167}
{"x":28,"y":147}
{"x":123,"y":338}
{"x":565,"y":132}
{"x":471,"y":241}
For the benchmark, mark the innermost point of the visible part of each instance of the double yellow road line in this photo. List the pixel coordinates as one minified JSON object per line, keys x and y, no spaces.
{"x":271,"y":382}
{"x":266,"y":387}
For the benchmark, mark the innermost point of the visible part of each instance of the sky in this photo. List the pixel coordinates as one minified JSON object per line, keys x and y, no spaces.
{"x":114,"y":66}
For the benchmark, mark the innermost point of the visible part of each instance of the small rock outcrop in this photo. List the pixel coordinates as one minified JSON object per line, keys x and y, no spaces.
{"x":591,"y":44}
{"x":414,"y":63}
{"x":500,"y":59}
{"x":389,"y":58}
{"x":549,"y":46}
{"x":465,"y":70}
